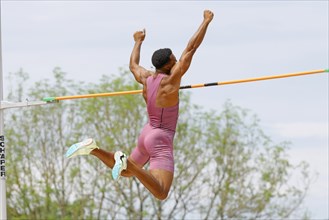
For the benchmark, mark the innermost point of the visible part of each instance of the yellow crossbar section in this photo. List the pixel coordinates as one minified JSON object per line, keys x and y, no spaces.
{"x":99,"y":95}
{"x":52,"y":99}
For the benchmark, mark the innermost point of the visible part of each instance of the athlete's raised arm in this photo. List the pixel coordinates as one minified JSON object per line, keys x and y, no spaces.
{"x":140,"y":73}
{"x":185,"y":60}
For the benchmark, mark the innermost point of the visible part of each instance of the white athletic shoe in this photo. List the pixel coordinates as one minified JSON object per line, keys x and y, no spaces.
{"x":81,"y":148}
{"x":120,"y":164}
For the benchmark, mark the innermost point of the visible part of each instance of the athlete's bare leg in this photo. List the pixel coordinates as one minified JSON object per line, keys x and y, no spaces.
{"x":157,"y":181}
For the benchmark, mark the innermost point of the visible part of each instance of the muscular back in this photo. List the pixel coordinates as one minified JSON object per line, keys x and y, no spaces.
{"x":167,"y":94}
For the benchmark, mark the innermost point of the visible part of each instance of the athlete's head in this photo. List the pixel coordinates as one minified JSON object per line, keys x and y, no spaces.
{"x":161,"y":57}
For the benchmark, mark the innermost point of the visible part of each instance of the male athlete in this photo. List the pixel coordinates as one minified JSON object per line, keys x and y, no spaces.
{"x":160,"y":92}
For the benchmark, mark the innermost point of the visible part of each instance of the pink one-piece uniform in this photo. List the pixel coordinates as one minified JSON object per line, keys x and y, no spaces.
{"x":155,"y":143}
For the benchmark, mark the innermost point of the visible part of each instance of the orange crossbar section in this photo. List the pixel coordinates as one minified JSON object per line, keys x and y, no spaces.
{"x":51,"y":99}
{"x":273,"y":77}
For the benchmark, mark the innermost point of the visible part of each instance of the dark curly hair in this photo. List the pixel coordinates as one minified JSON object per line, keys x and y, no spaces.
{"x":161,"y":57}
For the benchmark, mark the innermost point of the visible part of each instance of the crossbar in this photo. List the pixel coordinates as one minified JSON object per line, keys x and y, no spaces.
{"x":52,"y":99}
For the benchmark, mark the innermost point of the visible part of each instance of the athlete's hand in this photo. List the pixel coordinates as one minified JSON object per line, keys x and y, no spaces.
{"x":139,"y":35}
{"x":208,"y":15}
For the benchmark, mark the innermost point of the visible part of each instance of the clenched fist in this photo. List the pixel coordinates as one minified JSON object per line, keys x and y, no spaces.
{"x":139,"y":35}
{"x":208,"y":15}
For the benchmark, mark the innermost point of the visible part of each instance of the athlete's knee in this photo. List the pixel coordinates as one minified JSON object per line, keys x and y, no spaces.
{"x":162,"y":195}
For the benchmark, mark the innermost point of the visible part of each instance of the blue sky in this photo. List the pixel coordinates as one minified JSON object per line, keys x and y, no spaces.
{"x":246,"y":39}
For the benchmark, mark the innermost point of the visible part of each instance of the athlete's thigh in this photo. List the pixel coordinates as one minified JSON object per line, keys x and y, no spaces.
{"x":159,"y":144}
{"x":164,"y":178}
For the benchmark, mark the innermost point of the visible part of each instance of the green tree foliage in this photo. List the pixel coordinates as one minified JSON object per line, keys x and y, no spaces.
{"x":225,"y":166}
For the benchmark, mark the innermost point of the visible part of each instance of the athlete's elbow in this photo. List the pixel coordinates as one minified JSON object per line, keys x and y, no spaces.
{"x":132,"y":67}
{"x":134,"y":71}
